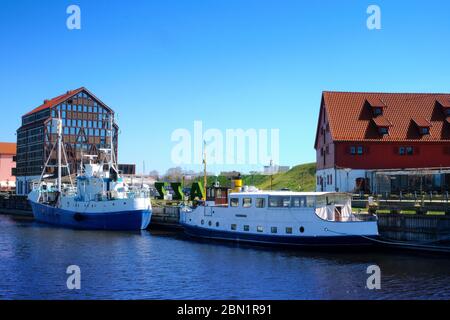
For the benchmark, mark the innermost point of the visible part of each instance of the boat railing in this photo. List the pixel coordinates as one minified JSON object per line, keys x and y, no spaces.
{"x":338,"y":213}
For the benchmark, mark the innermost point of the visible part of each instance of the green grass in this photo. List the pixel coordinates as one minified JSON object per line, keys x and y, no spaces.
{"x":299,"y":178}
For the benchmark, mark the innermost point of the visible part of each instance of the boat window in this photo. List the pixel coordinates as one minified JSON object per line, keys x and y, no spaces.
{"x":279,"y":201}
{"x":331,"y":199}
{"x":246,"y":228}
{"x":247,"y":202}
{"x":273,"y":230}
{"x":288,"y":230}
{"x":260,"y":202}
{"x":260,"y":229}
{"x":234,"y":202}
{"x":298,"y":202}
{"x":233,"y":227}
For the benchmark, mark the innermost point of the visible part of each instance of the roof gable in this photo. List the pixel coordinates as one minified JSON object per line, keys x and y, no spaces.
{"x":61,"y":98}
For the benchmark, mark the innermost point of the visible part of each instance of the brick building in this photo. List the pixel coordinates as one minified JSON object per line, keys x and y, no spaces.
{"x":383,"y":142}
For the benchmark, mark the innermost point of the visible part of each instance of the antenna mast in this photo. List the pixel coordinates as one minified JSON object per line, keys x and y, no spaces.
{"x":59,"y":131}
{"x":205,"y":180}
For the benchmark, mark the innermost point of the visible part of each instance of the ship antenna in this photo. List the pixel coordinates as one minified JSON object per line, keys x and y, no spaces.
{"x":59,"y":131}
{"x":204,"y":170}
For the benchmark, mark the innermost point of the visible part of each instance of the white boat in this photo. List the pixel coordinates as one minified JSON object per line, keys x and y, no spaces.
{"x":100,"y":201}
{"x":281,"y":218}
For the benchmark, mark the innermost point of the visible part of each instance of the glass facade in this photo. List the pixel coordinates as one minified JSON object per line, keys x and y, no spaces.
{"x":86,"y":124}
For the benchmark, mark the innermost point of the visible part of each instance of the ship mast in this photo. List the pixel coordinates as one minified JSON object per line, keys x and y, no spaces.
{"x":204,"y":171}
{"x":59,"y":131}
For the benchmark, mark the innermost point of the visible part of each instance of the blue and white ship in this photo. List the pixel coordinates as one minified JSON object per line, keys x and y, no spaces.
{"x":100,"y":201}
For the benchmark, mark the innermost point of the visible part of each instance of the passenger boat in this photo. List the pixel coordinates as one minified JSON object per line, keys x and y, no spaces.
{"x":100,"y":201}
{"x":279,"y":218}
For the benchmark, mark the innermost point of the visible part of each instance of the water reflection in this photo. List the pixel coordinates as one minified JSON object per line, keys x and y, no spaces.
{"x":162,"y":265}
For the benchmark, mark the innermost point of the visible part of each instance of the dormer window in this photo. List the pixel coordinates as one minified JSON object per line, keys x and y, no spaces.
{"x":376,"y":105}
{"x":383,"y":130}
{"x":423,"y":125}
{"x":424,"y":131}
{"x":445,"y":105}
{"x":382,"y":125}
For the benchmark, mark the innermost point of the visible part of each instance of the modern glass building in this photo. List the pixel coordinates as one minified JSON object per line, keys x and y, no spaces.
{"x":86,"y":123}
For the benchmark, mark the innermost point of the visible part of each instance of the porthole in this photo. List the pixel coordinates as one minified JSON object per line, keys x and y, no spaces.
{"x":203,"y":222}
{"x":209,"y":223}
{"x":217,"y":224}
{"x":302,"y":229}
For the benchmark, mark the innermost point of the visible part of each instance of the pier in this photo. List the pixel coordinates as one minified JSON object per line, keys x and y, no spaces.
{"x":410,"y":228}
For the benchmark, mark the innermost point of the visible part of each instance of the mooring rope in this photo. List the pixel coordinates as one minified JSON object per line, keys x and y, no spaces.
{"x":390,"y":242}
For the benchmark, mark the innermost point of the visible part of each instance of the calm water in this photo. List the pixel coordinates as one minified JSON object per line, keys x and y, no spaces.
{"x":158,"y":265}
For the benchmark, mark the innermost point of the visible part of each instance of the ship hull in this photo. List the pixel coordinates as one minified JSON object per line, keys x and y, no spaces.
{"x":290,"y":241}
{"x":132,"y":220}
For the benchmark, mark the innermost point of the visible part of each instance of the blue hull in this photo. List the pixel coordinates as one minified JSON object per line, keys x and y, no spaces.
{"x":299,"y":241}
{"x":120,"y":221}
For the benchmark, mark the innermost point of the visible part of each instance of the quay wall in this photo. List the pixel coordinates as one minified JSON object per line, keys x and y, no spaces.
{"x":400,"y":227}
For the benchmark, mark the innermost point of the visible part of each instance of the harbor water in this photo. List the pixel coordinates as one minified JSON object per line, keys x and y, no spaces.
{"x":167,"y":265}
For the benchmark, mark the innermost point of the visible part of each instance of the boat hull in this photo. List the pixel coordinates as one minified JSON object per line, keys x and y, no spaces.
{"x":295,"y":241}
{"x":121,"y":221}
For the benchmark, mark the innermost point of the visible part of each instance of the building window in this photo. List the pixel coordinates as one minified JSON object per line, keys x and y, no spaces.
{"x":259,"y":229}
{"x":383,"y":130}
{"x":273,"y":230}
{"x":406,"y":151}
{"x":233,"y":227}
{"x":234,"y":202}
{"x":356,"y":150}
{"x":288,"y":230}
{"x":360,"y":150}
{"x":425,"y":131}
{"x":377,"y":111}
{"x":409,"y":151}
{"x":247,"y":202}
{"x":260,"y":202}
{"x":247,"y":228}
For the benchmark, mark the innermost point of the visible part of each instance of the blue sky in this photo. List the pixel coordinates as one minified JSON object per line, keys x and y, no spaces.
{"x":262,"y":64}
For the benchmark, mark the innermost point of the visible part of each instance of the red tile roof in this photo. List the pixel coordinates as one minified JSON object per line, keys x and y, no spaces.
{"x":375,"y":102}
{"x":8,"y":148}
{"x":351,"y":119}
{"x":381,"y":121}
{"x":422,"y":123}
{"x":444,"y":101}
{"x":57,"y":100}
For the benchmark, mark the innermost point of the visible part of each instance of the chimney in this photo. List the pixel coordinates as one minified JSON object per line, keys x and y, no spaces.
{"x":45,"y":101}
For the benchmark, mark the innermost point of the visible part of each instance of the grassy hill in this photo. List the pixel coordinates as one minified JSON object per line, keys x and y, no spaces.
{"x":299,"y":178}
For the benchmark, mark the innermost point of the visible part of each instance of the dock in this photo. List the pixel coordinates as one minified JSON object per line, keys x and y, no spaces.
{"x":412,"y":231}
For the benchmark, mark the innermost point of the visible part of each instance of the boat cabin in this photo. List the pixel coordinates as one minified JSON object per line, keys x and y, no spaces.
{"x":327,"y":206}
